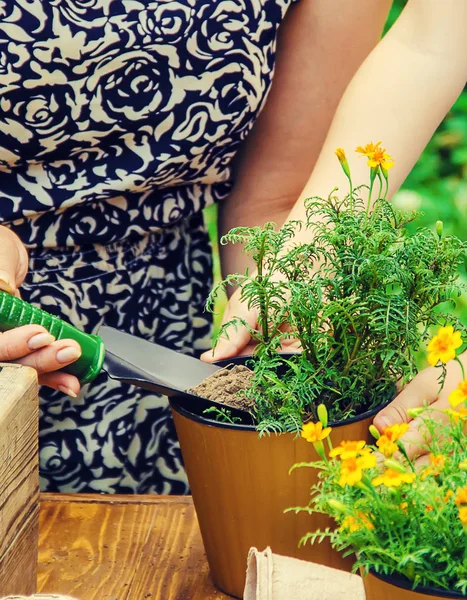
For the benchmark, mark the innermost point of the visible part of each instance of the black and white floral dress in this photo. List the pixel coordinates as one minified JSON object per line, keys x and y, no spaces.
{"x":119,"y":120}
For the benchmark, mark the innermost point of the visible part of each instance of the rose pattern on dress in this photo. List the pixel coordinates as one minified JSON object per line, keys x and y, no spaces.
{"x":119,"y":120}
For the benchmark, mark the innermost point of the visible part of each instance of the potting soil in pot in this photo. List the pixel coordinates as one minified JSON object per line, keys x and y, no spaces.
{"x":225,"y":386}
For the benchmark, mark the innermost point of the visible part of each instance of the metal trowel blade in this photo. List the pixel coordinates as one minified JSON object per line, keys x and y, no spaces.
{"x":153,"y":367}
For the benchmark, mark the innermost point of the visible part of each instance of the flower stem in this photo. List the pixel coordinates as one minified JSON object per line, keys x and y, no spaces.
{"x":462,"y":367}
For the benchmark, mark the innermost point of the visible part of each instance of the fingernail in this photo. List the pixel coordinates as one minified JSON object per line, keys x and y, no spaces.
{"x":67,"y":355}
{"x":67,"y":391}
{"x":6,"y":286}
{"x":40,"y":340}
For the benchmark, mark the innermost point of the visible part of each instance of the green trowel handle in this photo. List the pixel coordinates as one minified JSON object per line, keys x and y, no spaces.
{"x":16,"y":313}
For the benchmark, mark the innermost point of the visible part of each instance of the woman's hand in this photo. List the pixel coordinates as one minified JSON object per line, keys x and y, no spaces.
{"x":32,"y":345}
{"x":239,"y":341}
{"x":13,"y":261}
{"x":421,"y":391}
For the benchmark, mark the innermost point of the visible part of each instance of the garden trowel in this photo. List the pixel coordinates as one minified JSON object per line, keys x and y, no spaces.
{"x":123,"y":357}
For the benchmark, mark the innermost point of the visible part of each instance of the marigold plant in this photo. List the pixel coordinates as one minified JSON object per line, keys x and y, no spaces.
{"x":397,"y":515}
{"x":360,"y":297}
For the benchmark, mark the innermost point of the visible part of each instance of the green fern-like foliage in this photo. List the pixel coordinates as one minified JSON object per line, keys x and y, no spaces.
{"x":361,"y":297}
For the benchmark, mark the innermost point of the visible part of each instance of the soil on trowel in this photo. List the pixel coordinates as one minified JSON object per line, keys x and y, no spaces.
{"x":225,"y":386}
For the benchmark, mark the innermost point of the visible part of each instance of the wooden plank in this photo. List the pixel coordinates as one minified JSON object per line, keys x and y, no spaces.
{"x":122,"y":547}
{"x":19,"y":480}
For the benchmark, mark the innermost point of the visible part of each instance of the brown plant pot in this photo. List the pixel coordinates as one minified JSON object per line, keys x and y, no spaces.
{"x":386,"y":587}
{"x":241,"y":486}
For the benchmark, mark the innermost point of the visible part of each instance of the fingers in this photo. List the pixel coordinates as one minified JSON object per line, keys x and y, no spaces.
{"x":418,"y":438}
{"x":235,"y":342}
{"x":64,"y":382}
{"x":13,"y":261}
{"x":20,"y":342}
{"x":57,"y":355}
{"x":422,"y":390}
{"x":33,"y":346}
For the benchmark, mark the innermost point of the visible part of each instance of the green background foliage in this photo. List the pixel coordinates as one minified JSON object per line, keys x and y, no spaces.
{"x":437,"y":186}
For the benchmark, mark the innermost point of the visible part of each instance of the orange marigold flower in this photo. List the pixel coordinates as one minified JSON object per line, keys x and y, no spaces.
{"x":404,"y":506}
{"x":368,"y":150}
{"x":349,"y":450}
{"x":352,"y":469}
{"x":393,"y":478}
{"x":459,"y":395}
{"x":461,"y":497}
{"x":387,"y":442}
{"x":380,"y":158}
{"x":386,"y":446}
{"x":456,"y":415}
{"x":463,"y":515}
{"x":340,"y":153}
{"x":443,"y":346}
{"x":436,"y":466}
{"x":395,"y":432}
{"x":314,"y":432}
{"x":360,"y":521}
{"x":449,"y":494}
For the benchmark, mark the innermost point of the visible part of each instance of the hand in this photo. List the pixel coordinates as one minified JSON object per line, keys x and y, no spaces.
{"x":13,"y":261}
{"x":32,"y":345}
{"x":239,"y":341}
{"x":421,"y":391}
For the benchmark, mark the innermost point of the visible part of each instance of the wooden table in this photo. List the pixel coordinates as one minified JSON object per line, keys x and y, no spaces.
{"x":95,"y":547}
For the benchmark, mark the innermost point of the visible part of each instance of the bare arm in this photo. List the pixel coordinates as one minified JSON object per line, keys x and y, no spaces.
{"x":399,"y":95}
{"x":321,"y":45}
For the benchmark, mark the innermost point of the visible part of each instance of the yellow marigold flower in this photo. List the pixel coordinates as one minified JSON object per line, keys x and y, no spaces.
{"x":386,"y":442}
{"x":395,"y":432}
{"x":461,"y":497}
{"x":443,"y":346}
{"x":386,"y":446}
{"x":392,"y":478}
{"x":352,"y":469}
{"x":463,"y":515}
{"x":360,"y":521}
{"x":314,"y":432}
{"x":459,"y":395}
{"x":459,"y":414}
{"x":349,"y":450}
{"x":368,"y":150}
{"x":404,"y":506}
{"x":437,"y":465}
{"x":380,"y":158}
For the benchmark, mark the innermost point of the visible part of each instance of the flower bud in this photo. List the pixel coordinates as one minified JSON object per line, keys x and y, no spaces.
{"x":319,"y":447}
{"x":439,"y":228}
{"x":463,"y":465}
{"x":340,"y":153}
{"x":416,"y":412}
{"x":323,"y":415}
{"x":337,"y":505}
{"x":390,"y":463}
{"x":374,"y":432}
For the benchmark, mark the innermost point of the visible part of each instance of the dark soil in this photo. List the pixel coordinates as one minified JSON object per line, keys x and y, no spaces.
{"x":225,"y":386}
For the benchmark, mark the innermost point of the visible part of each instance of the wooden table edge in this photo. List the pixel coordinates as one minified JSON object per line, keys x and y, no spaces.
{"x":112,"y":499}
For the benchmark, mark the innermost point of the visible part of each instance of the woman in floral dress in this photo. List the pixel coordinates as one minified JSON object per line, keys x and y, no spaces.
{"x":120,"y":121}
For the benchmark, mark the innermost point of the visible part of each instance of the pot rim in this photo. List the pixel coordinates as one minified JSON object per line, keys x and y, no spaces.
{"x":243,"y":427}
{"x":405,"y":584}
